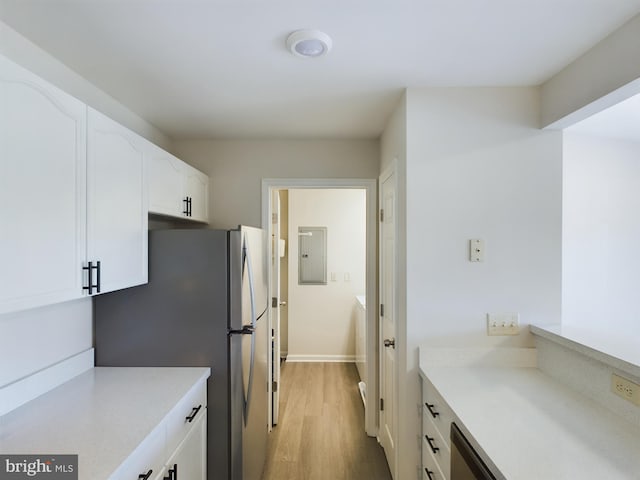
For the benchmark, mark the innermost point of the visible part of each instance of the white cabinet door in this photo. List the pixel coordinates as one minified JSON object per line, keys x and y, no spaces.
{"x":176,"y":188}
{"x":190,"y":458}
{"x":166,"y":183}
{"x":116,"y":203}
{"x":197,"y":191}
{"x":42,"y":191}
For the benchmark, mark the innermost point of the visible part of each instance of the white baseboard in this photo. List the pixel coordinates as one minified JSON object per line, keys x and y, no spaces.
{"x":322,"y":358}
{"x":22,"y":391}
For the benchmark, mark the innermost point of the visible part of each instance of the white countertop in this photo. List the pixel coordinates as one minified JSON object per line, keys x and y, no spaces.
{"x":529,"y":427}
{"x":619,"y":351}
{"x":102,"y":415}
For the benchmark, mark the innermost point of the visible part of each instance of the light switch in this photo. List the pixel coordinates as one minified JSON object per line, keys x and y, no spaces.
{"x":347,"y":277}
{"x":476,"y":250}
{"x":503,"y":324}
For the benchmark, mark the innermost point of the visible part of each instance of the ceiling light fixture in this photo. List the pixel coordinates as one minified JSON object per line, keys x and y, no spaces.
{"x":309,"y":43}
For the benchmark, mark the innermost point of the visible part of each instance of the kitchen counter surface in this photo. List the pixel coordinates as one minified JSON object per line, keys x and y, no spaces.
{"x":102,"y":415}
{"x":527,"y":426}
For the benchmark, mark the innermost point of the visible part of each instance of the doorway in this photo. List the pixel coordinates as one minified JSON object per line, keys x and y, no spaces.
{"x":270,"y":223}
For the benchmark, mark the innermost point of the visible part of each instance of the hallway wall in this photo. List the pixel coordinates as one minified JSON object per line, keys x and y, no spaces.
{"x":321,"y":324}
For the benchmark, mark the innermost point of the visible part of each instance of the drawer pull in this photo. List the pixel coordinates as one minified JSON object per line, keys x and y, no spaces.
{"x":429,"y":473}
{"x":194,"y":412}
{"x":430,"y":441}
{"x":145,"y":476}
{"x":172,"y":473}
{"x":433,"y":413}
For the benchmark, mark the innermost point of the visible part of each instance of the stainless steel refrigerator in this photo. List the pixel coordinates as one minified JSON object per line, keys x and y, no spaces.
{"x":205,"y":305}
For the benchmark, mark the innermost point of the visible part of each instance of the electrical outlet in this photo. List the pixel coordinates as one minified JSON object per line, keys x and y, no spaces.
{"x":503,"y":324}
{"x":626,"y":389}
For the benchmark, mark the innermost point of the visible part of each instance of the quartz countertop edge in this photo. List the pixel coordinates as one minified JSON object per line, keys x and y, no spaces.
{"x":527,"y":426}
{"x":620,"y":353}
{"x":101,"y":415}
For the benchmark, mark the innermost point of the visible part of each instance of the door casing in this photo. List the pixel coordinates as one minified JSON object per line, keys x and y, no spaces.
{"x":371,"y":290}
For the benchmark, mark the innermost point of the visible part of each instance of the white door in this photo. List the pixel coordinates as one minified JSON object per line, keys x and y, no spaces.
{"x":42,"y":191}
{"x":388,"y":349}
{"x":277,"y":303}
{"x":116,"y":203}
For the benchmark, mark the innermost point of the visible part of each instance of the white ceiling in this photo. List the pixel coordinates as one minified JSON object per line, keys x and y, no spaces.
{"x":219,"y":68}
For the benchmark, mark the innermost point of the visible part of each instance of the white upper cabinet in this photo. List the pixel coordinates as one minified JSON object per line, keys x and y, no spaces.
{"x":42,"y":191}
{"x":74,"y":196}
{"x":176,"y":189}
{"x":197,"y":193}
{"x":116,"y":204}
{"x":166,"y":186}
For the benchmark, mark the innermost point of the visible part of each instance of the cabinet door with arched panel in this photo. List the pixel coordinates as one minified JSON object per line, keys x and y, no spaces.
{"x":42,"y":191}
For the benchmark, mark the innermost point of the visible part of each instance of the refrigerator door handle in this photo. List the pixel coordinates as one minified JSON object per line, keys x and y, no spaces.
{"x":249,"y":329}
{"x":246,"y":330}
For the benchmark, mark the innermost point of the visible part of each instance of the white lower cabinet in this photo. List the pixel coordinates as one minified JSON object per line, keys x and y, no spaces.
{"x":147,"y":459}
{"x":177,"y":448}
{"x":436,"y":445}
{"x":189,"y":461}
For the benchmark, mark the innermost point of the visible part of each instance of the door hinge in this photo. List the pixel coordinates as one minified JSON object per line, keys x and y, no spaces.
{"x":382,"y":310}
{"x":274,"y":218}
{"x":274,"y":386}
{"x":381,"y":404}
{"x":381,"y":215}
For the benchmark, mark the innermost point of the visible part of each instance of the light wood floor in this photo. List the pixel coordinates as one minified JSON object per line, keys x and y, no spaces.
{"x":320,"y":434}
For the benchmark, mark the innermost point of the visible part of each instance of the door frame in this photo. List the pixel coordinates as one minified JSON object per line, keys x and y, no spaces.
{"x":371,"y":287}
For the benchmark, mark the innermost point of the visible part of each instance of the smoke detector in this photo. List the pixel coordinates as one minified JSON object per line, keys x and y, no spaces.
{"x":309,"y":43}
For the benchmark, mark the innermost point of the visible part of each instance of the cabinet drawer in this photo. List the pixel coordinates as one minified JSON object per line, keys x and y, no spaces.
{"x":438,"y":463}
{"x":429,"y":428}
{"x":439,"y":412}
{"x":149,"y":455}
{"x":178,"y":426}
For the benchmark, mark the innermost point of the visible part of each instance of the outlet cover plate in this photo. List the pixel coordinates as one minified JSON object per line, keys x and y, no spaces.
{"x":503,"y":324}
{"x":625,"y":388}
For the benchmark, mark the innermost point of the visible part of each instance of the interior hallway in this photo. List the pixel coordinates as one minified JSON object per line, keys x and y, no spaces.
{"x":321,"y":434}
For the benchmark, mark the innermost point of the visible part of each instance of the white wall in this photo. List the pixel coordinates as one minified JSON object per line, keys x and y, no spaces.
{"x":321,"y":323}
{"x":237,"y":167}
{"x":35,"y":339}
{"x":477,"y":167}
{"x":601,"y":228}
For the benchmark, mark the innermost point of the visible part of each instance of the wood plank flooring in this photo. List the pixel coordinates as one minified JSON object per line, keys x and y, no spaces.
{"x":320,"y":434}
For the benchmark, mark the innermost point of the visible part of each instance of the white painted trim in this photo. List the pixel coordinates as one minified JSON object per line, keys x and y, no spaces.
{"x":26,"y":389}
{"x":370,"y":185}
{"x":322,"y":358}
{"x":389,"y":172}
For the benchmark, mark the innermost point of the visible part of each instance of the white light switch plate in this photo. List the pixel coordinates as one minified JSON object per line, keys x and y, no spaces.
{"x":476,"y":250}
{"x":503,"y":324}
